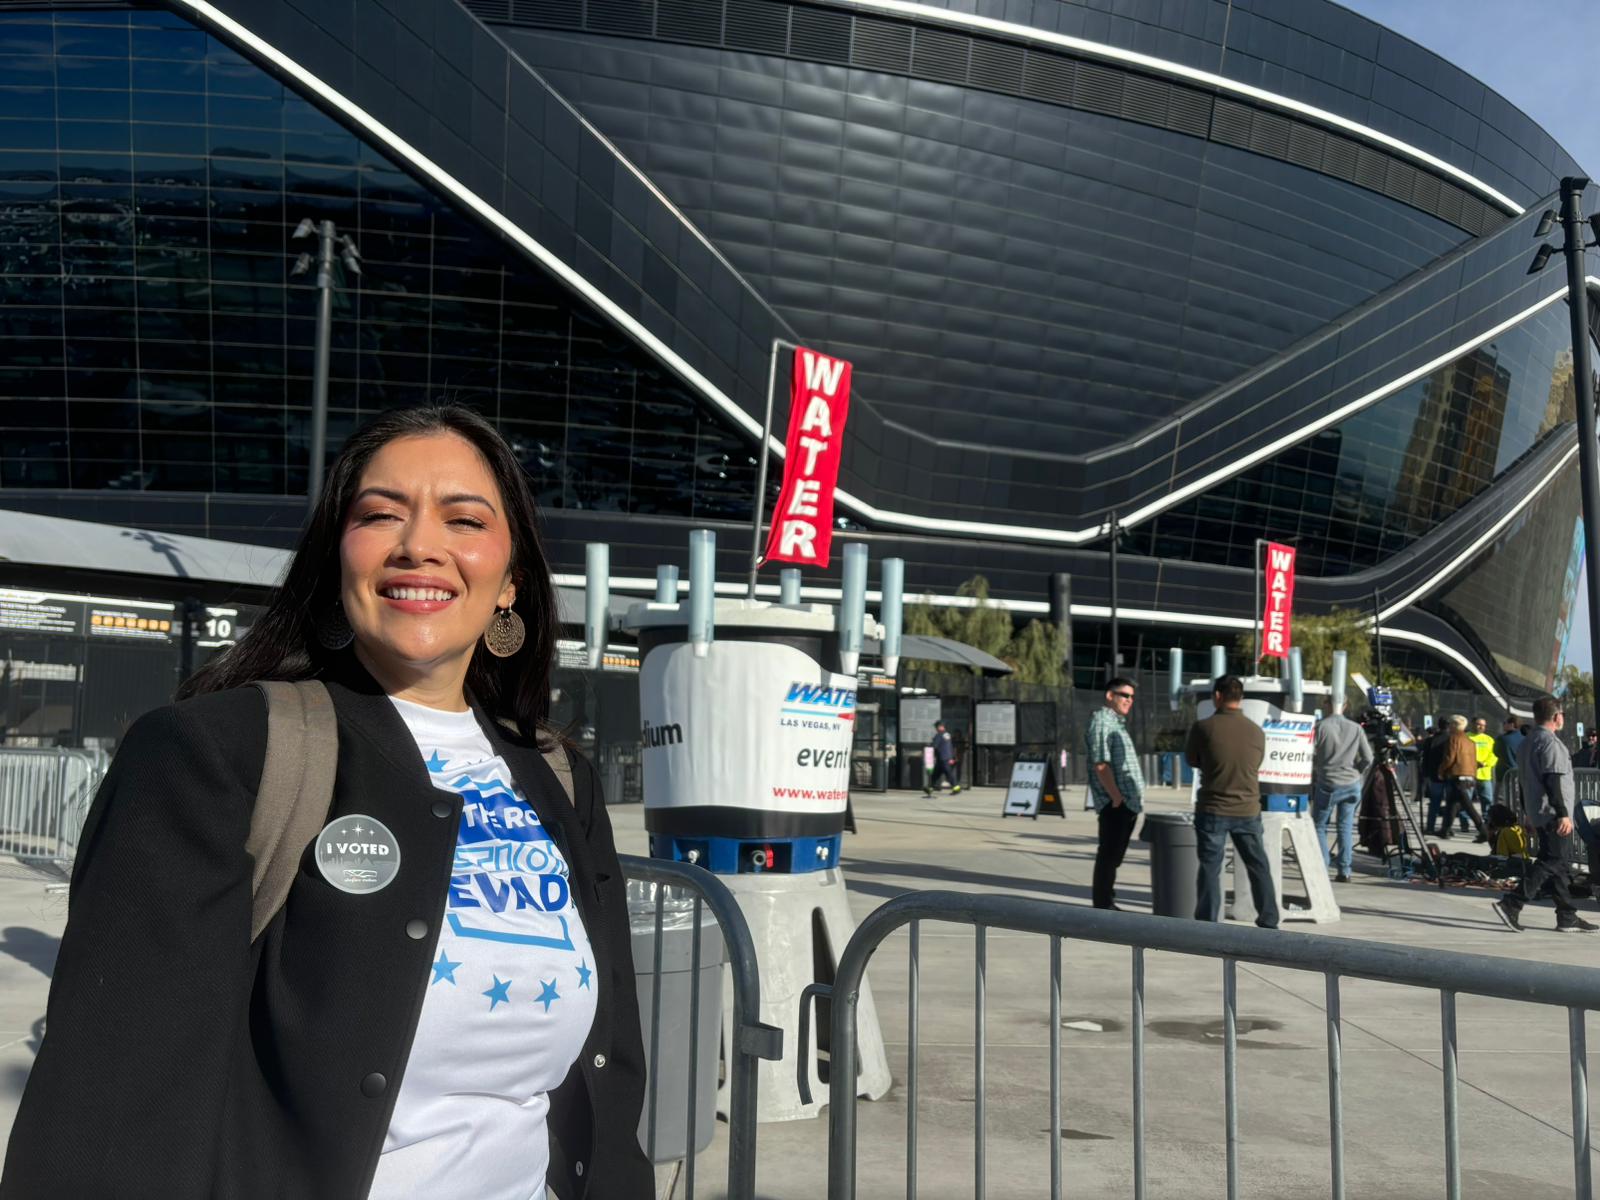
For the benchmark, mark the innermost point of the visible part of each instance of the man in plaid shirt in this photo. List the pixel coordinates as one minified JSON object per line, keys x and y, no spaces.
{"x":1115,"y":783}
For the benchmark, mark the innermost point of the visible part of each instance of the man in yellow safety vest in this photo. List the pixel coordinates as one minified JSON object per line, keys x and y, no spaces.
{"x":1487,"y":758}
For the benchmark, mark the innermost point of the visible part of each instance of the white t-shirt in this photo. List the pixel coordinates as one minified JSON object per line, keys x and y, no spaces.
{"x":511,"y":994}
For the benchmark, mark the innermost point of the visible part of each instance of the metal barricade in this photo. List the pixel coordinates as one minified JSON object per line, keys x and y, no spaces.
{"x":752,"y":1040}
{"x":1577,"y":848}
{"x":1577,"y":989}
{"x":44,"y":798}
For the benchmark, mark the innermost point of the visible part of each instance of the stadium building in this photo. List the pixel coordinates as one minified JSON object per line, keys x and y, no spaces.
{"x":1226,"y":269}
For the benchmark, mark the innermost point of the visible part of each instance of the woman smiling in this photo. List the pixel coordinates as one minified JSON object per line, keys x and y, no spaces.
{"x":454,"y":1016}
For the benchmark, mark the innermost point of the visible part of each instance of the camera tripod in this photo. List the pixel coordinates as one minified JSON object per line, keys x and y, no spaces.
{"x":1404,"y":847}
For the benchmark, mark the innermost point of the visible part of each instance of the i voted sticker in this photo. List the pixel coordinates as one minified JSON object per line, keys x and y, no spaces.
{"x":358,"y":854}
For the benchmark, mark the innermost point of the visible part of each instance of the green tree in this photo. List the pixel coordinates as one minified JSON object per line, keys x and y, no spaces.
{"x":1035,"y":654}
{"x":1397,"y":681}
{"x":1318,"y":636}
{"x":1575,"y":685}
{"x":1032,"y":653}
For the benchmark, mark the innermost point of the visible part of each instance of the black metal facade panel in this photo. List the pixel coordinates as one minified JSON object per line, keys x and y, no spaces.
{"x":1000,"y":272}
{"x":935,"y":565}
{"x":711,"y":317}
{"x":930,"y":51}
{"x":156,"y":357}
{"x":1320,"y":53}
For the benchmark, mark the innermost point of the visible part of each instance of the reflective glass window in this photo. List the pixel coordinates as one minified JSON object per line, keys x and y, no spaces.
{"x":1387,"y":476}
{"x":149,"y":180}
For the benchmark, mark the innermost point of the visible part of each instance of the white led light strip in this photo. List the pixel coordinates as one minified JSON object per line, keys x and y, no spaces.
{"x":1016,"y":32}
{"x":1484,"y":538}
{"x":1152,"y":616}
{"x":354,"y":112}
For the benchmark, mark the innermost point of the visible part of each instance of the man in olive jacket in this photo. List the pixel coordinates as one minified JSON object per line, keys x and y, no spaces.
{"x":1227,"y":748}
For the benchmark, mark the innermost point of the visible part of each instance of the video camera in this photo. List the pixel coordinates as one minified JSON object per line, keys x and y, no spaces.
{"x":1386,"y":734}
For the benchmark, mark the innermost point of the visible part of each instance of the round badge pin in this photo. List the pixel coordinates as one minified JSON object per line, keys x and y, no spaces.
{"x":358,"y":854}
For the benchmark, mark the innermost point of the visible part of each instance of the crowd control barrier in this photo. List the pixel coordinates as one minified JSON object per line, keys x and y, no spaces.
{"x":751,"y":1041}
{"x":1577,"y":848}
{"x":1577,"y":989}
{"x":44,"y":798}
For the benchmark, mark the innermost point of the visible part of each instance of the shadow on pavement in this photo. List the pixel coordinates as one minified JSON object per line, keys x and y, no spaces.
{"x":29,"y":946}
{"x":932,"y":875}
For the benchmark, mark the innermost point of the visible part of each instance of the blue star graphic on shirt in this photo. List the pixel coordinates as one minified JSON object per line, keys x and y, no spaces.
{"x":583,"y":974}
{"x":437,"y":764}
{"x":547,"y":994}
{"x":498,"y":992}
{"x":445,"y":969}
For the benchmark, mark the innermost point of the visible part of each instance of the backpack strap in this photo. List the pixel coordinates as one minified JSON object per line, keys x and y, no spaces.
{"x":561,"y":763}
{"x":295,"y":793}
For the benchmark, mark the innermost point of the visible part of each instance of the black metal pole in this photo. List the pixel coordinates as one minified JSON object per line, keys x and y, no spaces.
{"x":1061,"y":614}
{"x":1116,"y":645}
{"x":1377,"y":634}
{"x":1259,"y":616}
{"x":326,"y":235}
{"x":1583,"y":386}
{"x":761,"y":469}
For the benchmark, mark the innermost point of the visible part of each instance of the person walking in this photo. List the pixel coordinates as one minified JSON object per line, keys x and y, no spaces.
{"x":1116,"y":785}
{"x":1341,"y":755}
{"x":1545,"y":771}
{"x":444,"y":1004}
{"x":1483,"y":742}
{"x":1458,"y":771}
{"x":1588,"y":758}
{"x":944,"y":762}
{"x":1226,"y":749}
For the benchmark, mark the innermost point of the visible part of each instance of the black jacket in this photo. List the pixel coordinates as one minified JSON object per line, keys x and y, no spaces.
{"x":182,"y":1062}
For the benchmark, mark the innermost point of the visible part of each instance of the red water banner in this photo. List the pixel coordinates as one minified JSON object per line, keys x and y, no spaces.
{"x":1275,"y":617}
{"x":819,"y":401}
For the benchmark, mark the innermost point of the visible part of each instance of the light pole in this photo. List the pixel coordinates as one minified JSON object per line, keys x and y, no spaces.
{"x":1116,"y":639}
{"x":1571,"y":218}
{"x":761,"y":471}
{"x":328,"y":237}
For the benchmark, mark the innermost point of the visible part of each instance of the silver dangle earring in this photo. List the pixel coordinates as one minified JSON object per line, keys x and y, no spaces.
{"x":505,"y":634}
{"x":334,"y":631}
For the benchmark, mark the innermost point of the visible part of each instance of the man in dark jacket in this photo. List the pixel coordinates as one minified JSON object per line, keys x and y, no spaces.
{"x":944,"y":762}
{"x":1507,"y":747}
{"x":1588,"y":758}
{"x":1227,"y":748}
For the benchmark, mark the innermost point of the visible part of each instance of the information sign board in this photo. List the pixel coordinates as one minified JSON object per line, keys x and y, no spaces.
{"x":1032,"y":790}
{"x":996,"y":723}
{"x":917,"y":717}
{"x":96,"y":617}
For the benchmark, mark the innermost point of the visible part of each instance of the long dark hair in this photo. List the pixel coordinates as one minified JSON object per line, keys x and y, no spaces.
{"x":283,"y":643}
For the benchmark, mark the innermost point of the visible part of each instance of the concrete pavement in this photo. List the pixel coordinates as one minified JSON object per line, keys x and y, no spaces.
{"x":1514,"y":1066}
{"x":1513,"y":1061}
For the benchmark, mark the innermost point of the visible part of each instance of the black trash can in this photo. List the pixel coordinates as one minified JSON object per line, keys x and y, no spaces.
{"x":1174,"y":863}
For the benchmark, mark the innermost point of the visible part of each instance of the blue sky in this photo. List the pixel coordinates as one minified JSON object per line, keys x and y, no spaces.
{"x":1538,"y":54}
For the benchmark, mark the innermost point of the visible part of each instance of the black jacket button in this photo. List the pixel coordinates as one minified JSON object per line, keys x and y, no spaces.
{"x":373,"y":1086}
{"x":416,"y":930}
{"x":441,"y":808}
